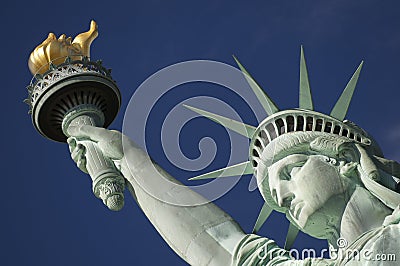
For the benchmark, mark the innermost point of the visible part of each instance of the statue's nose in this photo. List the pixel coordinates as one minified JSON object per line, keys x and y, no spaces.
{"x":282,"y":194}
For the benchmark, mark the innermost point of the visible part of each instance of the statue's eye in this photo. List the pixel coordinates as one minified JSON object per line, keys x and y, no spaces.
{"x":292,"y":170}
{"x":295,"y":170}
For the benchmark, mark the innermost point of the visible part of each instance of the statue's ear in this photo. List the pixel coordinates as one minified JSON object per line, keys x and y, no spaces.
{"x":349,"y":156}
{"x":348,"y":151}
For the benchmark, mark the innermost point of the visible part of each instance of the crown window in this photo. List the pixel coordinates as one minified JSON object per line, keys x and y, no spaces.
{"x":300,"y":123}
{"x":328,"y":127}
{"x":290,"y":123}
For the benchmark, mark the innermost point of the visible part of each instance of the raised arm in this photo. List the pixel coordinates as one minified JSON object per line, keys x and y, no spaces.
{"x":200,"y":234}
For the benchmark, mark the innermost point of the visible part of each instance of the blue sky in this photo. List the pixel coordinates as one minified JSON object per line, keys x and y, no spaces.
{"x":51,"y":217}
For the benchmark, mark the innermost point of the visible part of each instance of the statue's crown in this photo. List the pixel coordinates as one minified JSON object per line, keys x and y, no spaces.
{"x":304,"y":118}
{"x":282,"y":122}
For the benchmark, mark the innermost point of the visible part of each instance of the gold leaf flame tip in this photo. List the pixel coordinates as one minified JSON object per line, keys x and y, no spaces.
{"x":53,"y":50}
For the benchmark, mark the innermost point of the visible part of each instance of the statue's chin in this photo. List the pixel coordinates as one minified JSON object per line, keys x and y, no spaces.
{"x":318,"y":225}
{"x":313,"y":223}
{"x":299,"y":217}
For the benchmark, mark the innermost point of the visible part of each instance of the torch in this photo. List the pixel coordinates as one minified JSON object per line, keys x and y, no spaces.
{"x":70,"y":90}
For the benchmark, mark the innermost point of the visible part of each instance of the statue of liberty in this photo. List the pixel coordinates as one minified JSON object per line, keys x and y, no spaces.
{"x":325,"y":173}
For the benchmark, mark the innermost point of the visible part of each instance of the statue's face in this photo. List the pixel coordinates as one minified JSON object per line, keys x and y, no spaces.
{"x":305,"y":185}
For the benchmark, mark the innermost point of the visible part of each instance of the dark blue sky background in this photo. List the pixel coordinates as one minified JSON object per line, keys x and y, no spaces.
{"x":49,"y":214}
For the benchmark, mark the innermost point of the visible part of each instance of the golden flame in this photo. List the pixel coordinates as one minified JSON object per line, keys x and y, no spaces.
{"x":56,"y":50}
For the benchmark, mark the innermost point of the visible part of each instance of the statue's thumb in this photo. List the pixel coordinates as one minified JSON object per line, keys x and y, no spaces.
{"x":79,"y":131}
{"x":89,"y":132}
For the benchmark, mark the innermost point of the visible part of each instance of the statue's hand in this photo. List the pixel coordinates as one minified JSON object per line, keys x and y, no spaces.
{"x":78,"y":152}
{"x":108,"y":141}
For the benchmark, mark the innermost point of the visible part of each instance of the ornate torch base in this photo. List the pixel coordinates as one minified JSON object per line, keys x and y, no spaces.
{"x":77,"y":93}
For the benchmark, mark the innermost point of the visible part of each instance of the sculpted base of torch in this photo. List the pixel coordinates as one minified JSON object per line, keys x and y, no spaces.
{"x":73,"y":93}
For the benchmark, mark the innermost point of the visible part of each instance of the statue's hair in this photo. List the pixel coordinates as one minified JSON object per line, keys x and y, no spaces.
{"x":303,"y":142}
{"x":329,"y":143}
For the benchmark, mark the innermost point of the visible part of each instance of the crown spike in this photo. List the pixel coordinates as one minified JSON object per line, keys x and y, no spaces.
{"x":244,"y":168}
{"x":241,"y":128}
{"x":265,"y":212}
{"x":305,"y":97}
{"x":339,"y":111}
{"x":267,"y":103}
{"x":293,"y":231}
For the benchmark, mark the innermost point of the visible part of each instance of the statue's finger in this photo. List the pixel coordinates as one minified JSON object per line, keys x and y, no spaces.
{"x":71,"y":144}
{"x":78,"y":153}
{"x":81,"y":163}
